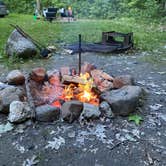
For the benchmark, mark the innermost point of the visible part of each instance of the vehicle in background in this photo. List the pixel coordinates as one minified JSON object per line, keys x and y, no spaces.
{"x":50,"y":13}
{"x":3,"y":9}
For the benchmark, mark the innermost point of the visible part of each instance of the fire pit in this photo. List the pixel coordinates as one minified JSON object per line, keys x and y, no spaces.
{"x":65,"y":94}
{"x":90,"y":95}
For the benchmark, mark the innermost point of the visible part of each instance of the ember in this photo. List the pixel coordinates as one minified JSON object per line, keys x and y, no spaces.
{"x":56,"y":103}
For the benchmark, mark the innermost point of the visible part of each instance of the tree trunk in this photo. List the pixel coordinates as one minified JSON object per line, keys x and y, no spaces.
{"x":38,"y":6}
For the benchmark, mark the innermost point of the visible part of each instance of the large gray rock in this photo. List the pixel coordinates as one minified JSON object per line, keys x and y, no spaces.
{"x":47,"y":113}
{"x":106,"y":110}
{"x":19,"y":112}
{"x":20,"y":46}
{"x":90,"y":111}
{"x":15,"y":77}
{"x":71,"y":110}
{"x":8,"y":95}
{"x":123,"y":101}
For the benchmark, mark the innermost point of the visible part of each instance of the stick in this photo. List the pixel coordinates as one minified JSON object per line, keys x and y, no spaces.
{"x":30,"y":99}
{"x":116,"y":145}
{"x":35,"y":41}
{"x":24,"y":34}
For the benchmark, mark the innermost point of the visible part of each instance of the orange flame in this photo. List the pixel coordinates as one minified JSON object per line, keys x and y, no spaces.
{"x":82,"y":92}
{"x":68,"y":92}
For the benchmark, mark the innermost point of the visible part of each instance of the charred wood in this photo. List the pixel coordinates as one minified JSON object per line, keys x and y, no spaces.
{"x":30,"y":98}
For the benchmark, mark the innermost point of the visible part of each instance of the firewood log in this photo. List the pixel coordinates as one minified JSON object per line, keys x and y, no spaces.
{"x":102,"y":80}
{"x":66,"y":79}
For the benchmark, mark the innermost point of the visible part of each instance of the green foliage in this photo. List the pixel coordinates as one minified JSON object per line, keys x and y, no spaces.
{"x":147,"y":36}
{"x":96,"y":8}
{"x":23,"y":6}
{"x":135,"y":118}
{"x":141,"y":8}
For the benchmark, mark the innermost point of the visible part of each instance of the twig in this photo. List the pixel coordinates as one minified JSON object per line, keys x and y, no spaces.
{"x":30,"y":99}
{"x":24,"y":34}
{"x":116,"y":145}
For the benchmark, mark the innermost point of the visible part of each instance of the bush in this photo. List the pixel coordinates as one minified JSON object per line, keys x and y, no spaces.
{"x":96,"y":8}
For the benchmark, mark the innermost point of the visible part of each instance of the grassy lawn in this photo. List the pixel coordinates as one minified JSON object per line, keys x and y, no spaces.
{"x":147,"y":35}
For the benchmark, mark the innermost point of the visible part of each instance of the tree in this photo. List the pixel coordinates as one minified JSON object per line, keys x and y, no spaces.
{"x":38,"y":4}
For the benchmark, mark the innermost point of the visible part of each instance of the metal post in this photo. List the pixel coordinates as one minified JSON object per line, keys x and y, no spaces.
{"x":79,"y":63}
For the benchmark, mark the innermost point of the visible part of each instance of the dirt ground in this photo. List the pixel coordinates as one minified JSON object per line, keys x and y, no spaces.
{"x":116,"y":142}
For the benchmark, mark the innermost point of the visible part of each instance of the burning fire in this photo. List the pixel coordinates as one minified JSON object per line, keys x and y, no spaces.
{"x":82,"y":92}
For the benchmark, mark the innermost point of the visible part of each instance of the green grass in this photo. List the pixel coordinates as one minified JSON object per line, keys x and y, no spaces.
{"x":147,"y":35}
{"x":40,"y":30}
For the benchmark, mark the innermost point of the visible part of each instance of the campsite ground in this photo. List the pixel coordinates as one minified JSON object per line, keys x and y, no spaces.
{"x":117,"y":142}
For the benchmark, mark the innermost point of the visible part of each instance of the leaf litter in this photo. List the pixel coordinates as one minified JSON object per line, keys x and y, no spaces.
{"x":6,"y":127}
{"x":56,"y":143}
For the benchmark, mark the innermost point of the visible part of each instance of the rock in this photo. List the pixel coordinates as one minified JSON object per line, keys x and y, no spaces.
{"x":47,"y":113}
{"x":51,"y":73}
{"x":71,"y":134}
{"x":19,"y":112}
{"x":90,"y":111}
{"x":3,"y":86}
{"x":123,"y":101}
{"x":71,"y":110}
{"x":122,"y":80}
{"x":20,"y":46}
{"x":87,"y":67}
{"x":106,"y":109}
{"x":15,"y":77}
{"x":28,"y":123}
{"x":3,"y":78}
{"x":8,"y":95}
{"x":55,"y":80}
{"x":38,"y":74}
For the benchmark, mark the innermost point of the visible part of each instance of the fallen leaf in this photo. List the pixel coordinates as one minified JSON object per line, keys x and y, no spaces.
{"x":6,"y":127}
{"x":31,"y":162}
{"x":56,"y":143}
